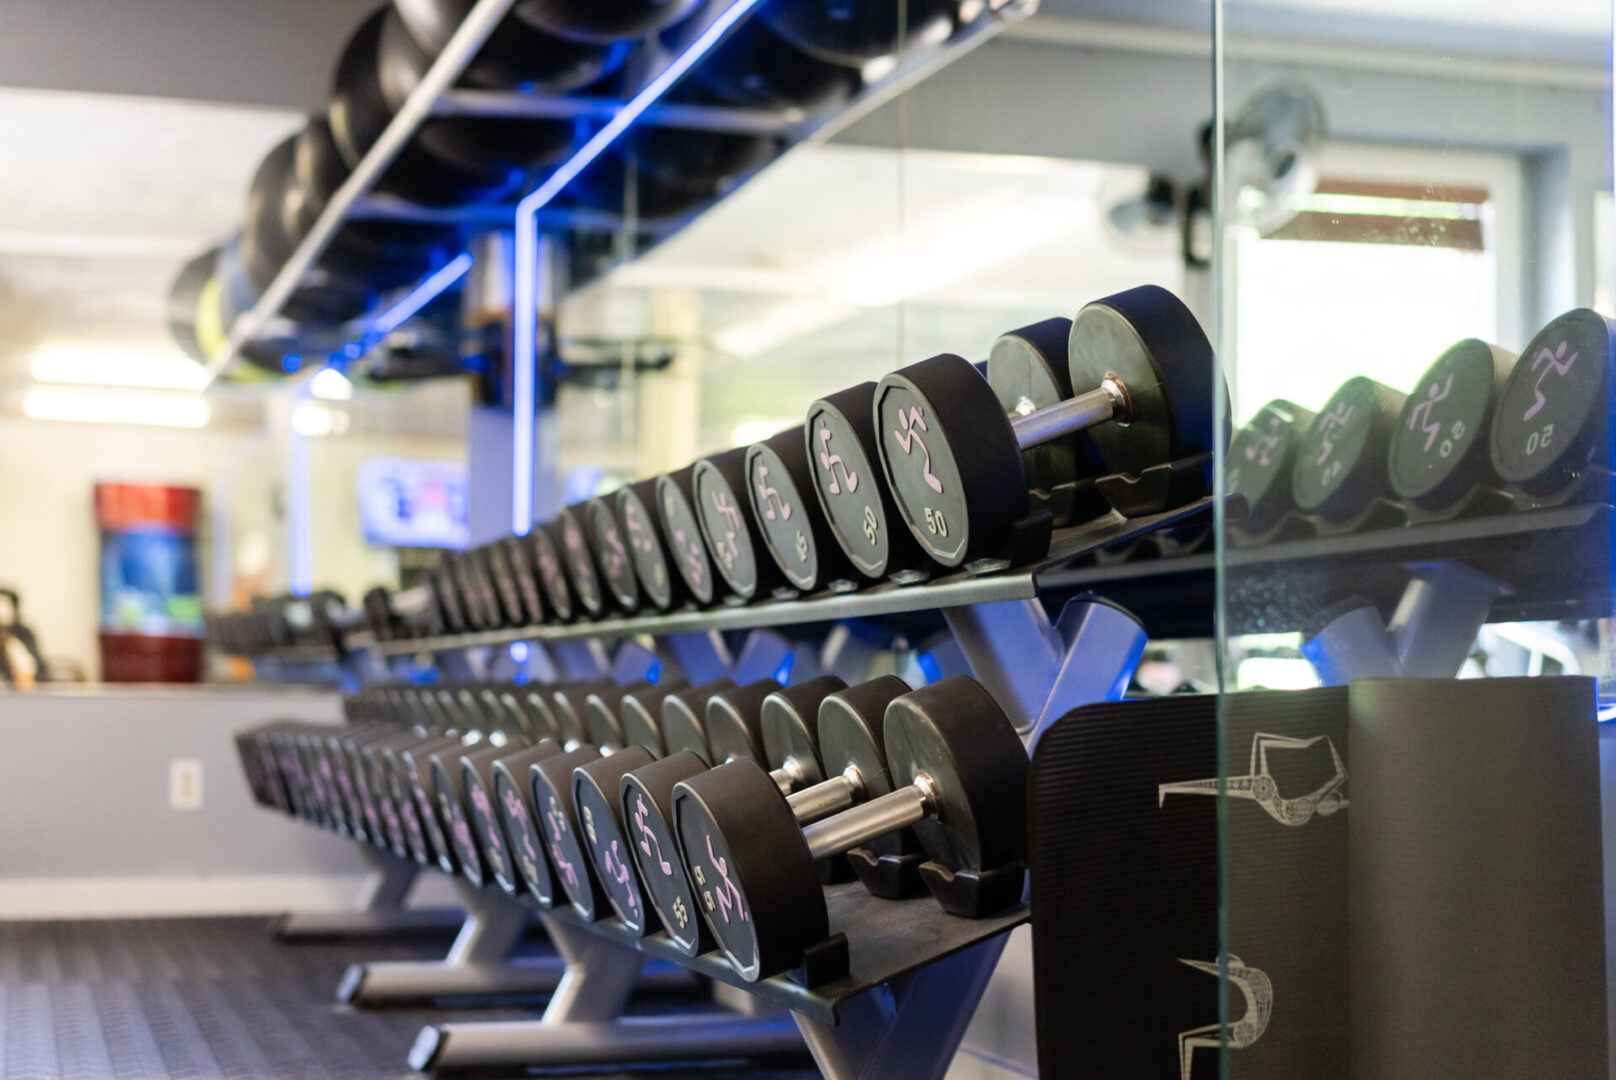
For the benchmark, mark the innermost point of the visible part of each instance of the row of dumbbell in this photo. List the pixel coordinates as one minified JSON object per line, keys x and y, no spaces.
{"x":714,"y":812}
{"x":278,"y":623}
{"x":941,"y":464}
{"x":1480,"y":419}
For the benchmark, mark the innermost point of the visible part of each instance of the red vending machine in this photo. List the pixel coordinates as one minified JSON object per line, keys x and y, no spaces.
{"x":151,"y":601}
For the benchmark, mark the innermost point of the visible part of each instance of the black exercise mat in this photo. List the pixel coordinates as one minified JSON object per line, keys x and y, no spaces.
{"x":1476,"y":896}
{"x":1125,"y":888}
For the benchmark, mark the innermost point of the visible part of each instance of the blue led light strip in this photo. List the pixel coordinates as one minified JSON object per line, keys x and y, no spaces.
{"x":525,"y":293}
{"x":420,"y":296}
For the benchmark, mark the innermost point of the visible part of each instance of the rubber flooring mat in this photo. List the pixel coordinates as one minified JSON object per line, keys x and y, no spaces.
{"x":199,"y":999}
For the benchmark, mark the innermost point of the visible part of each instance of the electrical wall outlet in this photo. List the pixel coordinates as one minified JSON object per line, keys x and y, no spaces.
{"x":185,"y":784}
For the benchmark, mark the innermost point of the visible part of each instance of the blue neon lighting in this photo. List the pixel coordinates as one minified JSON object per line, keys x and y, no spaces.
{"x":291,"y":363}
{"x":422,"y":295}
{"x":654,"y":673}
{"x":782,"y":674}
{"x":520,"y":652}
{"x":525,"y":284}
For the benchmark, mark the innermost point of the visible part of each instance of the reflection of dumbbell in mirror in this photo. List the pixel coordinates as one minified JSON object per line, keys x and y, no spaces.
{"x":1144,"y":375}
{"x":1438,"y":459}
{"x":1549,"y":431}
{"x":959,"y":772}
{"x":1339,"y":475}
{"x":1261,"y":456}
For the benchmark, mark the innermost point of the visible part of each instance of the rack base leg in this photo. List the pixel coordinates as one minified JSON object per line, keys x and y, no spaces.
{"x":379,"y":912}
{"x":447,"y":1050}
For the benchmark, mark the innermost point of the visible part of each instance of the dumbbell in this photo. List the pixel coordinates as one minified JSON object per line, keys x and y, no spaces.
{"x":863,"y":519}
{"x":1261,"y":457}
{"x":795,"y":532}
{"x":568,"y":707}
{"x":417,"y":762}
{"x":449,"y":769}
{"x":606,"y":714}
{"x":396,"y":778}
{"x":497,"y":557}
{"x":447,"y":592}
{"x":675,"y":504}
{"x":853,"y":32}
{"x":579,"y":561}
{"x":1553,"y":415}
{"x":378,"y":788}
{"x":739,"y":724}
{"x":518,"y":54}
{"x":1340,"y":467}
{"x":611,"y":553}
{"x":551,"y":780}
{"x":526,"y":863}
{"x":953,"y":459}
{"x":646,"y":791}
{"x":960,"y":781}
{"x":504,"y":854}
{"x":552,"y":578}
{"x":647,"y":547}
{"x":518,"y":553}
{"x":1438,"y":450}
{"x":731,"y":535}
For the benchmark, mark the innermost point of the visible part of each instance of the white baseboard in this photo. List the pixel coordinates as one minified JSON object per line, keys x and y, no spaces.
{"x":150,"y":897}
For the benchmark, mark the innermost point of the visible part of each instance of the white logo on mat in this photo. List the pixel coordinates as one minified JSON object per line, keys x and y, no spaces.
{"x":1259,"y":785}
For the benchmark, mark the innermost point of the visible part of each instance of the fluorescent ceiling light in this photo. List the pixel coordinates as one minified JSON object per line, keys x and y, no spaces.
{"x":966,"y":243}
{"x":157,"y":410}
{"x":330,"y":384}
{"x":110,"y":365}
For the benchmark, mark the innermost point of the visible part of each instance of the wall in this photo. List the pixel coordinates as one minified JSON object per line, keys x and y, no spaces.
{"x":48,"y":542}
{"x":88,"y":829}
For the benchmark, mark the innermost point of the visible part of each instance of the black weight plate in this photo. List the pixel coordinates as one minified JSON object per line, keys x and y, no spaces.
{"x":519,"y":554}
{"x":734,"y":721}
{"x":852,"y":733}
{"x":603,"y":724}
{"x":418,"y":766}
{"x":605,"y":20}
{"x":409,"y":811}
{"x":474,"y":142}
{"x":731,"y":535}
{"x":558,"y":821}
{"x":596,"y":790}
{"x":496,"y":558}
{"x":755,"y":883}
{"x":684,"y":718}
{"x":553,"y":579}
{"x":514,"y":796}
{"x":789,"y":721}
{"x":1439,"y":450}
{"x":611,"y":553}
{"x":448,"y":595}
{"x":676,"y":510}
{"x":646,"y":545}
{"x":1341,"y":463}
{"x":518,"y":55}
{"x":954,"y":732}
{"x":567,"y":709}
{"x":700,"y":162}
{"x":582,"y":573}
{"x":756,"y":67}
{"x":1553,"y":413}
{"x":860,"y":513}
{"x":780,"y":482}
{"x":641,"y":714}
{"x":1149,"y":340}
{"x":1027,"y":370}
{"x":265,"y":245}
{"x":646,"y":795}
{"x":477,"y":775}
{"x":852,"y":32}
{"x":1261,"y":458}
{"x":950,"y":458}
{"x":541,"y":715}
{"x":466,"y":589}
{"x":449,"y":793}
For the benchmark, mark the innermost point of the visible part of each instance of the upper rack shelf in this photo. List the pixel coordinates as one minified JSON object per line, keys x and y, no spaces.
{"x":435,"y":95}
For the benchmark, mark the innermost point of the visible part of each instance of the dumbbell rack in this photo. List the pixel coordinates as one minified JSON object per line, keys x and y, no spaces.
{"x":436,"y":96}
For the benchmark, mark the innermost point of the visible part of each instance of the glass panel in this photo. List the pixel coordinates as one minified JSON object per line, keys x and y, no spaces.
{"x":1413,"y":272}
